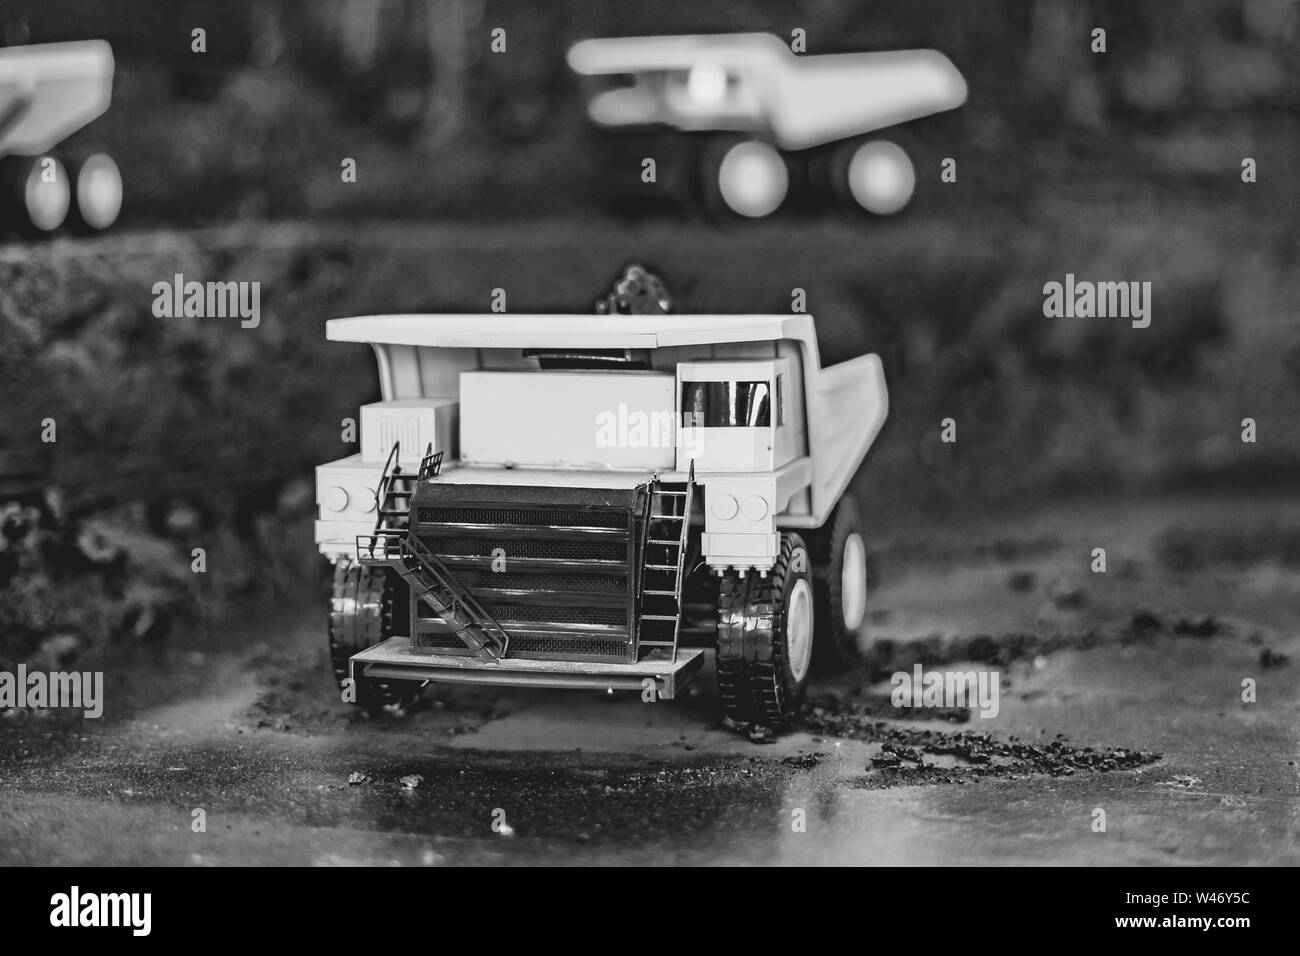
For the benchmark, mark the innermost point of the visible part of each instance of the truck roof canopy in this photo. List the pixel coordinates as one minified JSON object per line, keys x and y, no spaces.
{"x":532,"y":331}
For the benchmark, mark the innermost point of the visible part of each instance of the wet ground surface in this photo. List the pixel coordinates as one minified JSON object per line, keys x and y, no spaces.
{"x":1121,"y":700}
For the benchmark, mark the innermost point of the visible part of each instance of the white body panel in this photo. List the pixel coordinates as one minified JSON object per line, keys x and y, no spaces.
{"x":847,"y":404}
{"x":411,"y":423}
{"x":571,"y":419}
{"x":725,"y":449}
{"x":345,"y":503}
{"x":562,"y":331}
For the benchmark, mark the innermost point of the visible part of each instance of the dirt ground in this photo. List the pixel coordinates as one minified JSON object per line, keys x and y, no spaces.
{"x":1121,"y":692}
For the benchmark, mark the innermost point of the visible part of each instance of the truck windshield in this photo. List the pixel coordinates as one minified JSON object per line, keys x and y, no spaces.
{"x":716,"y":404}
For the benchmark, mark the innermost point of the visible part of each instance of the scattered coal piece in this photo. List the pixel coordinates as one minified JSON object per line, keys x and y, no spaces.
{"x":1270,"y":658}
{"x":947,"y":715}
{"x":759,"y":734}
{"x":979,"y":754}
{"x":802,"y":761}
{"x":1022,"y":581}
{"x":1146,"y":621}
{"x":909,"y":754}
{"x":1205,"y":626}
{"x":1066,"y":594}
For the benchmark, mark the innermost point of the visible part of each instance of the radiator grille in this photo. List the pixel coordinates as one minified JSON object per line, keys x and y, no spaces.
{"x":394,"y":429}
{"x":540,"y":645}
{"x":569,"y":517}
{"x":536,"y":614}
{"x":593,"y":591}
{"x":523,"y":580}
{"x":528,"y":548}
{"x":562,"y":645}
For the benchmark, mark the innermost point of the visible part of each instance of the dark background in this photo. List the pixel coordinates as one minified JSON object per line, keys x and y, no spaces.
{"x":443,"y":127}
{"x":479,"y":170}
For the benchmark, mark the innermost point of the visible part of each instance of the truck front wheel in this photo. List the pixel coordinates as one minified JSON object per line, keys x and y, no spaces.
{"x":367,"y":607}
{"x":747,"y":178}
{"x":35,"y":192}
{"x":765,"y":636}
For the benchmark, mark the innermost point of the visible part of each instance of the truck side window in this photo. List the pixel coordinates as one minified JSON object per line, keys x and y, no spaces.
{"x":726,"y":404}
{"x":694,"y":404}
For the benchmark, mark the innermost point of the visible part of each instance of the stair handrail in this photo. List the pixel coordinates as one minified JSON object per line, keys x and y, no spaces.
{"x":386,"y":480}
{"x":381,"y":492}
{"x":416,"y":548}
{"x":403,"y":544}
{"x":430,"y":464}
{"x":687,"y":503}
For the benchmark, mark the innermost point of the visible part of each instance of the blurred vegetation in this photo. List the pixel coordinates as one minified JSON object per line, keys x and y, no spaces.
{"x":442,"y":127}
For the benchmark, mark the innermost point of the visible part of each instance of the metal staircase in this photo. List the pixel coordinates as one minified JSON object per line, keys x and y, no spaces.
{"x":667,"y":527}
{"x":393,"y":545}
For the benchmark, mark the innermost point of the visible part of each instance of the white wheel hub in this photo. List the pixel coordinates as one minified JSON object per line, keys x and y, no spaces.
{"x":853,"y":582}
{"x":881,"y":177}
{"x":47,"y":194}
{"x":99,"y":191}
{"x":752,"y":179}
{"x":799,"y":628}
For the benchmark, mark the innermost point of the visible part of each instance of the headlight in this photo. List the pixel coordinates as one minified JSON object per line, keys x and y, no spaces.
{"x":725,"y":507}
{"x":334,"y":498}
{"x":755,"y":508}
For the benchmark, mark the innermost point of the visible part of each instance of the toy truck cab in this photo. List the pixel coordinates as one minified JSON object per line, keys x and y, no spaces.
{"x":597,"y":501}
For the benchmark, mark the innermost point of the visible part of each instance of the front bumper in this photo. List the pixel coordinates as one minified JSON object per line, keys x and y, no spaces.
{"x":393,"y":660}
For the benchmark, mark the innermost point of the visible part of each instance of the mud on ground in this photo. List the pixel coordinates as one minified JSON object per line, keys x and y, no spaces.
{"x":1109,"y":702}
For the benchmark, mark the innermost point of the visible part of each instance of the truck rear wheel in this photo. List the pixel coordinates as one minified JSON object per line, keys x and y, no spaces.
{"x":841,"y":579}
{"x":98,"y":193}
{"x":367,"y":607}
{"x":765,"y":636}
{"x":877,"y":175}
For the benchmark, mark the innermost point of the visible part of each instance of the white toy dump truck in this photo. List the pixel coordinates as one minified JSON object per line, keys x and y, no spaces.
{"x":790,"y":111}
{"x":598,"y":501}
{"x":48,"y":92}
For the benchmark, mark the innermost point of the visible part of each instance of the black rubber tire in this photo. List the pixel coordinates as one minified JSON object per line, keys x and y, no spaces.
{"x":733,"y":680}
{"x":755,"y":681}
{"x":837,"y":647}
{"x":366,"y":608}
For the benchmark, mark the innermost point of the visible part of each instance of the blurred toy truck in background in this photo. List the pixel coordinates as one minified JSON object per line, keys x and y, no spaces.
{"x":596,"y":501}
{"x":48,"y":92}
{"x":772,"y":112}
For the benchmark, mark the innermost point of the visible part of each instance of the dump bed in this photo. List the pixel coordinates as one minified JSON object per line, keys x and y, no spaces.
{"x":51,"y":90}
{"x":802,"y":100}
